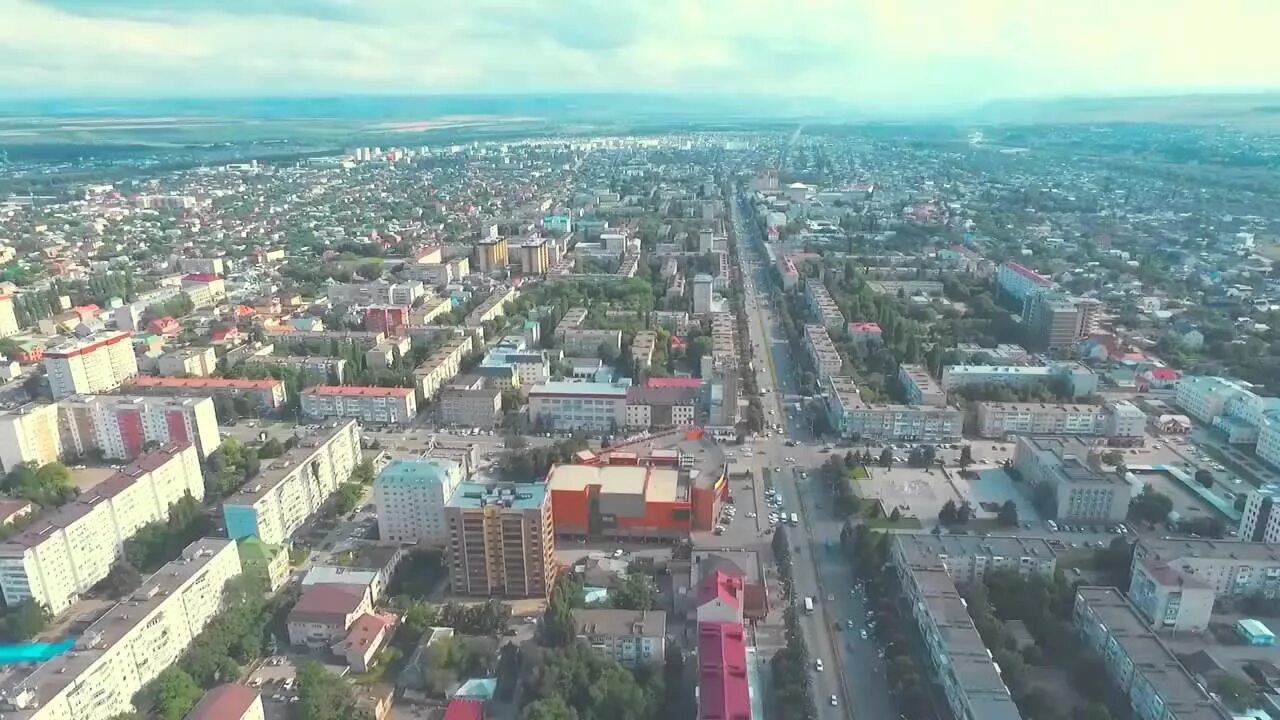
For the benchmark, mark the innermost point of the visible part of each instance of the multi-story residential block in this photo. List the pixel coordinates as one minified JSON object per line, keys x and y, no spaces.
{"x":661,"y":407}
{"x":1001,"y":419}
{"x":1083,"y":491}
{"x":501,"y":541}
{"x":268,"y":565}
{"x":822,"y":352}
{"x":202,"y":266}
{"x":1056,"y":321}
{"x":289,"y":490}
{"x":63,"y":553}
{"x":332,"y":370}
{"x":411,"y":495}
{"x":388,"y":319}
{"x":493,"y":307}
{"x":375,"y":293}
{"x":722,"y":394}
{"x":866,"y":334}
{"x":191,"y":362}
{"x":969,"y":558}
{"x":1205,"y":397}
{"x":441,"y":366}
{"x":8,"y":318}
{"x":467,"y":402}
{"x":1175,"y":582}
{"x":442,"y":273}
{"x":204,"y":290}
{"x":1017,"y":281}
{"x":853,"y":418}
{"x":958,"y":659}
{"x":823,"y":306}
{"x":303,"y":339}
{"x":375,"y":405}
{"x":1143,"y":668}
{"x":703,"y":286}
{"x":29,"y":434}
{"x":1260,"y":521}
{"x":568,"y":406}
{"x":920,"y":387}
{"x":534,"y":256}
{"x":492,"y":254}
{"x":583,"y":341}
{"x":628,"y":636}
{"x":642,"y":347}
{"x":99,"y":364}
{"x":268,"y":395}
{"x":1076,"y":379}
{"x":1123,"y":419}
{"x":530,"y":365}
{"x":121,"y":427}
{"x":131,"y":643}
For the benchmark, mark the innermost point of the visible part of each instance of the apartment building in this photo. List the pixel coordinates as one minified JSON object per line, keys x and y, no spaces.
{"x":122,"y":426}
{"x":8,"y":318}
{"x":1000,"y":419}
{"x":568,"y":406}
{"x":493,"y":307}
{"x":292,"y":487}
{"x":375,"y":293}
{"x":920,"y":387}
{"x":131,"y":644}
{"x":98,"y":364}
{"x":492,"y":254}
{"x":534,"y":256}
{"x":1260,"y":521}
{"x":703,"y":296}
{"x":853,"y":418}
{"x":388,"y":319}
{"x":373,"y":405}
{"x":411,"y":495}
{"x":468,"y":403}
{"x":1175,"y":582}
{"x":191,"y":362}
{"x":1017,"y":281}
{"x":442,"y":273}
{"x":661,"y":407}
{"x":29,"y":434}
{"x":530,"y":365}
{"x":629,"y":637}
{"x":325,"y":338}
{"x":332,"y":369}
{"x":723,"y":410}
{"x":823,"y":306}
{"x":958,"y":659}
{"x":1077,"y":379}
{"x":586,"y":342}
{"x":822,"y":352}
{"x":1083,"y":491}
{"x":969,"y":558}
{"x":267,"y":395}
{"x":441,"y":366}
{"x":642,"y":347}
{"x":501,"y":541}
{"x":63,"y":553}
{"x":1142,"y":667}
{"x":1058,"y":322}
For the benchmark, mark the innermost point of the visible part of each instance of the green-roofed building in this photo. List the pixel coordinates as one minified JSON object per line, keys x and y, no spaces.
{"x":267,"y":564}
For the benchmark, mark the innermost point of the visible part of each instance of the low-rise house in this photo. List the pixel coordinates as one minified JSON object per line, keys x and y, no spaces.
{"x":324,"y":613}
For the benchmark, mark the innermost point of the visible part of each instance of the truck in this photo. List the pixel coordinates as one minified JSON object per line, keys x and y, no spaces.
{"x":795,"y":519}
{"x":808,"y":605}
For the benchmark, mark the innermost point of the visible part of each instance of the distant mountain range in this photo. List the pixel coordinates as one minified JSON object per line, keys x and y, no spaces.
{"x":1247,"y":111}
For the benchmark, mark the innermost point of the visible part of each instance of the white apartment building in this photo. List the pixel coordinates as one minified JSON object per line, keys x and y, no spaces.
{"x":1017,"y":281}
{"x":629,"y":637}
{"x":1124,"y":420}
{"x":194,"y":362}
{"x":998,"y":419}
{"x":64,"y":553}
{"x":822,"y":352}
{"x":375,"y":293}
{"x":289,"y":490}
{"x":121,"y":426}
{"x":8,"y":319}
{"x":968,"y":558}
{"x":853,"y":418}
{"x":568,"y":406}
{"x":441,"y":366}
{"x":1205,"y":397}
{"x":374,"y":405}
{"x":1229,"y":568}
{"x":410,"y":496}
{"x":29,"y":434}
{"x":99,"y":364}
{"x":131,"y":644}
{"x":1260,"y":521}
{"x":823,"y":306}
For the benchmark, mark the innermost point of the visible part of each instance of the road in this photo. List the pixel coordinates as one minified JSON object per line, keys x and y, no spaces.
{"x":853,"y":673}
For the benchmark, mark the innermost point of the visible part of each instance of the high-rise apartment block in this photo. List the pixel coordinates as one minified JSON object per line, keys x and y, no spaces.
{"x":130,"y":644}
{"x":99,"y":364}
{"x":492,"y":255}
{"x":267,"y":395}
{"x":1260,"y":521}
{"x":62,"y":554}
{"x":501,"y":541}
{"x":703,"y":285}
{"x":8,"y":319}
{"x":410,"y":496}
{"x":289,"y":490}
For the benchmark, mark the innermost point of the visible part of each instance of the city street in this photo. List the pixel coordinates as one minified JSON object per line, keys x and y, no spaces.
{"x":818,"y":570}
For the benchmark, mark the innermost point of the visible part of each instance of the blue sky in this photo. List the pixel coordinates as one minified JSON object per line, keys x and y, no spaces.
{"x":873,"y":53}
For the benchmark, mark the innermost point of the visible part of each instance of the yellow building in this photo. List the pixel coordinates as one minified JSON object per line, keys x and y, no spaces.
{"x":491,"y":254}
{"x":501,"y":541}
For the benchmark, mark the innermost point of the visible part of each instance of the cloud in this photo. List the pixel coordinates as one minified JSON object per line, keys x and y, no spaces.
{"x":875,"y":53}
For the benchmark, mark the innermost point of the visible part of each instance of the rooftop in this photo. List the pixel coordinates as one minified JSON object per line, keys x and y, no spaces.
{"x":473,"y":496}
{"x":425,"y":471}
{"x":232,"y":700}
{"x":642,"y":623}
{"x":920,"y":547}
{"x":324,"y":602}
{"x":358,"y":391}
{"x":147,"y":381}
{"x":655,"y":484}
{"x":724,"y":692}
{"x":1182,"y":548}
{"x":276,"y":470}
{"x":584,"y":389}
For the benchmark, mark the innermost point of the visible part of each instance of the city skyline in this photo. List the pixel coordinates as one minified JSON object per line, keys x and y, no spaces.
{"x":912,"y":55}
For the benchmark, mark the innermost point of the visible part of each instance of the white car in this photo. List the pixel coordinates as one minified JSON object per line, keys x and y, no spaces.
{"x":751,"y":515}
{"x":817,"y":664}
{"x":834,"y":702}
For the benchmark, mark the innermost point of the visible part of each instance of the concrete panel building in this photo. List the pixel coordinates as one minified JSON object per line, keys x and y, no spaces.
{"x":1174,"y":582}
{"x":98,"y":364}
{"x":411,"y":495}
{"x":568,"y":406}
{"x":969,"y":558}
{"x":1083,"y":491}
{"x":373,"y":405}
{"x":1260,"y":521}
{"x":467,"y":402}
{"x":822,"y":352}
{"x":267,"y":395}
{"x":920,"y":387}
{"x":441,"y":366}
{"x":628,"y":636}
{"x":189,"y":362}
{"x":854,"y":419}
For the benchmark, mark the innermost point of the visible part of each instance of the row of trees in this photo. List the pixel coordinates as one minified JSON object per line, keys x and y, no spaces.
{"x":47,"y":485}
{"x":529,"y":464}
{"x":233,"y":464}
{"x":156,"y":543}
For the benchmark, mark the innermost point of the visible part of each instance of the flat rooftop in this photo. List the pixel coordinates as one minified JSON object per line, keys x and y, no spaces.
{"x":473,"y":496}
{"x":1177,"y":548}
{"x":923,"y":546}
{"x":656,"y":484}
{"x":583,"y":389}
{"x":276,"y":470}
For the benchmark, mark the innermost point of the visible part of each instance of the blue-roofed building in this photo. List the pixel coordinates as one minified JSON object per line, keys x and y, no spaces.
{"x":411,"y":495}
{"x":530,"y":365}
{"x":590,"y":406}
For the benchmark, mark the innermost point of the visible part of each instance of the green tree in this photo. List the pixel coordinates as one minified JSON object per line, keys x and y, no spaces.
{"x":271,"y":449}
{"x":552,"y":708}
{"x":635,"y":593}
{"x":171,"y":695}
{"x":1008,"y":515}
{"x":347,"y":497}
{"x":1150,"y":506}
{"x":363,"y":473}
{"x":324,"y":696}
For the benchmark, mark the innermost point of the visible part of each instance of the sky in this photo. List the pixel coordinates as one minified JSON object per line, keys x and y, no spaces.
{"x":872,"y":53}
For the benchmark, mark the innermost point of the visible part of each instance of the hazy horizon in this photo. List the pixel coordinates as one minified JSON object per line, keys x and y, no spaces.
{"x":867,"y":56}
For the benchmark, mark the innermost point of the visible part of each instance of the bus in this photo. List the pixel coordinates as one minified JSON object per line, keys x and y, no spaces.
{"x":808,"y":605}
{"x":795,"y":519}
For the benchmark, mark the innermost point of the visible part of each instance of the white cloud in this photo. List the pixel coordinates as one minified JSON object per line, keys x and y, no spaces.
{"x":877,"y":52}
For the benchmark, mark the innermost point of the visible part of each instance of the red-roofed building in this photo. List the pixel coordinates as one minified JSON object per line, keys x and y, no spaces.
{"x":366,"y":636}
{"x":724,"y":692}
{"x":87,"y":312}
{"x":719,"y":598}
{"x":326,"y":611}
{"x":228,"y":702}
{"x":674,"y":382}
{"x":166,"y":326}
{"x":1157,"y":379}
{"x":464,"y":709}
{"x":1017,"y":281}
{"x":227,"y":336}
{"x":268,"y":394}
{"x":368,"y":404}
{"x":388,"y":319}
{"x":865,"y":333}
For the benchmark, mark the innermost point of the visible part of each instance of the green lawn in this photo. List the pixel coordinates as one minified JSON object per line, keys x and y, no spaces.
{"x":860,"y":473}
